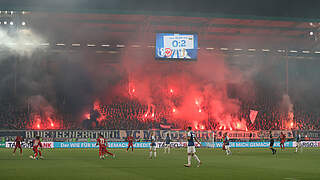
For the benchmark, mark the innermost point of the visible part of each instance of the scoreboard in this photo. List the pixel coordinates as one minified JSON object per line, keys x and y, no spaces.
{"x":176,"y":46}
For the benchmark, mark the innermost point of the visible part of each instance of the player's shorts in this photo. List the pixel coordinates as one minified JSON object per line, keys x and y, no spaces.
{"x":18,"y":146}
{"x":153,"y":148}
{"x":166,"y":145}
{"x":35,"y":149}
{"x":191,"y":149}
{"x":298,"y":144}
{"x":271,"y":143}
{"x":227,"y":147}
{"x":130,"y":144}
{"x":282,"y":142}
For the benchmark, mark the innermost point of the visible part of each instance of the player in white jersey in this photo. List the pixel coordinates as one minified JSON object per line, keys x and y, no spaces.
{"x":153,"y":147}
{"x":298,"y":140}
{"x":191,"y":147}
{"x":226,"y":143}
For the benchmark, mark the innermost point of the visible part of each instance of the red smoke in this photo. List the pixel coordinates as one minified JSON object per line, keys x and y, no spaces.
{"x":44,"y":123}
{"x":185,"y":93}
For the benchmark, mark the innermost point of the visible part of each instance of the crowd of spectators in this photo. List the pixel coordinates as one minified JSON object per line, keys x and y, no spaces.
{"x":13,"y":118}
{"x":134,"y":115}
{"x":130,"y":115}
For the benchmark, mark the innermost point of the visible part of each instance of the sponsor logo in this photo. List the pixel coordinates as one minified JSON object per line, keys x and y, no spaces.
{"x":168,"y":52}
{"x":310,"y":144}
{"x":2,"y":145}
{"x":29,"y":145}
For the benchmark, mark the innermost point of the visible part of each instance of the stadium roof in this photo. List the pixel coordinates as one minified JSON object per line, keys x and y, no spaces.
{"x":267,"y":25}
{"x":267,"y":8}
{"x":213,"y":31}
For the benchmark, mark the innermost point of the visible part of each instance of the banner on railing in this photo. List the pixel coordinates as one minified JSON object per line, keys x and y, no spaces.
{"x":121,"y":135}
{"x":146,"y":134}
{"x":114,"y":134}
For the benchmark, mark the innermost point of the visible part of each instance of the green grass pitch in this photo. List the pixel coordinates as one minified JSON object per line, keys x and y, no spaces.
{"x":83,"y":164}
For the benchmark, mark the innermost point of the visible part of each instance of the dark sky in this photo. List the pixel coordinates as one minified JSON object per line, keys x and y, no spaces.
{"x":269,"y":8}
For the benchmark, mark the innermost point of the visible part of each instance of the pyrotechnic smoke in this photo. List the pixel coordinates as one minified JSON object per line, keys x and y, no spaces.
{"x":22,"y":42}
{"x":195,"y":91}
{"x":287,"y":109}
{"x":186,"y":93}
{"x":286,"y":105}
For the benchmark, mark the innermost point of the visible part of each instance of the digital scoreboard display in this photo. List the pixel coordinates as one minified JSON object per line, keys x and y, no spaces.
{"x":175,"y":46}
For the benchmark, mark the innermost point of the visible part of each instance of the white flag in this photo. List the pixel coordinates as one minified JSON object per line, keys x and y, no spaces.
{"x":253,"y":115}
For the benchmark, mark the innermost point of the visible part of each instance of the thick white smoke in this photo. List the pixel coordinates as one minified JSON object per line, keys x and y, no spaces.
{"x":21,"y":41}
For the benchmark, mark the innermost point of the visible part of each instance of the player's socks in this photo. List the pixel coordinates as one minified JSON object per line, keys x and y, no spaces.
{"x":150,"y":154}
{"x":168,"y":150}
{"x":155,"y":154}
{"x":196,"y":157}
{"x":109,"y":153}
{"x":189,"y":159}
{"x":199,"y":164}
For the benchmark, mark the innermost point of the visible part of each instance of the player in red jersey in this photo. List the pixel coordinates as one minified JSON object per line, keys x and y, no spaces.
{"x":283,"y":139}
{"x":130,"y":143}
{"x":36,"y":144}
{"x":102,"y":142}
{"x":18,"y":145}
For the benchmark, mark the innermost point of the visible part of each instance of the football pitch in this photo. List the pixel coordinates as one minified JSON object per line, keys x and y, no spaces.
{"x":83,"y":164}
